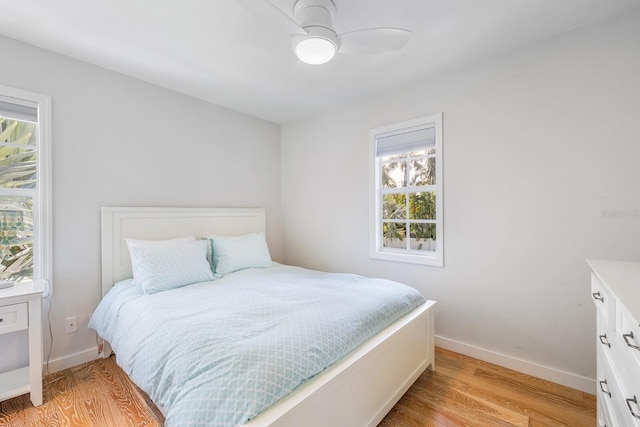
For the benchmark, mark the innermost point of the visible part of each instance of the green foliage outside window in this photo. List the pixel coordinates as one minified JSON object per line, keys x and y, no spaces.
{"x":17,"y":178}
{"x":408,"y":197}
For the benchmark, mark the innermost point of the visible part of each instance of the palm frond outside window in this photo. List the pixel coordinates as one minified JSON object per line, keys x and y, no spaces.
{"x":18,"y":161}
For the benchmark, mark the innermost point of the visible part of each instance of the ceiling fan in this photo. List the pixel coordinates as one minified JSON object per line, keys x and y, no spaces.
{"x":314,"y":39}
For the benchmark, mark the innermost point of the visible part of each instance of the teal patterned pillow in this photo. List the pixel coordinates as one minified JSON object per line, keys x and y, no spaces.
{"x":239,"y":252}
{"x":136,"y":243}
{"x":159,"y":269}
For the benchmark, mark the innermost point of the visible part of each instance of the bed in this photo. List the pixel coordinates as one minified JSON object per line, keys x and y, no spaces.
{"x":358,"y":388}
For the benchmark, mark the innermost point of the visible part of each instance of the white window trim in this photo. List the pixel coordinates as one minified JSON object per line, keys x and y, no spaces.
{"x":375,"y":237}
{"x":43,"y":242}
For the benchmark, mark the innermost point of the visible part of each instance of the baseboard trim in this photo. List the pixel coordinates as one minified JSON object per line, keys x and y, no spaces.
{"x":578,"y":382}
{"x":71,"y":360}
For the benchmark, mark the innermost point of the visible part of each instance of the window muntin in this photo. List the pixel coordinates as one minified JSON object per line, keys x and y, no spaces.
{"x":407,"y":191}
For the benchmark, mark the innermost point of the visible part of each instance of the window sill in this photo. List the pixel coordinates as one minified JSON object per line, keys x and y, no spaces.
{"x":432,"y":259}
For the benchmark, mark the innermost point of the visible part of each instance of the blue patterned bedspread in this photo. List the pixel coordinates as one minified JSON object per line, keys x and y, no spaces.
{"x":219,"y":353}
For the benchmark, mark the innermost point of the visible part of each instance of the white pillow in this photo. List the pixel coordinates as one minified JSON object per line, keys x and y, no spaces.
{"x":135,"y":243}
{"x":233,"y":253}
{"x":162,"y":268}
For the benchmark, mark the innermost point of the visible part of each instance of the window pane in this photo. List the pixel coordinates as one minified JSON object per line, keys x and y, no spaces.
{"x":17,"y":164}
{"x":422,"y":171}
{"x":423,"y":237}
{"x":394,"y":234}
{"x":17,"y":167}
{"x":422,"y":205}
{"x":393,"y":174}
{"x":17,"y":132}
{"x":16,"y":236}
{"x":394,"y":206}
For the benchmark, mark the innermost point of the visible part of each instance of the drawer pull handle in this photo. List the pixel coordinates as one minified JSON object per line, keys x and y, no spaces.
{"x":1,"y":320}
{"x":604,"y":340}
{"x":634,"y":400}
{"x":604,"y":382}
{"x":630,"y":335}
{"x":597,"y":296}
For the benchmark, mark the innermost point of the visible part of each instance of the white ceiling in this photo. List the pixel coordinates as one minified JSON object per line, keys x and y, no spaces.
{"x":217,"y":51}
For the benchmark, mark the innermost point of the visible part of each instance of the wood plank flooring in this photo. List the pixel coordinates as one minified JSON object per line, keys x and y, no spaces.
{"x":468,"y":392}
{"x":98,"y":393}
{"x":461,"y":392}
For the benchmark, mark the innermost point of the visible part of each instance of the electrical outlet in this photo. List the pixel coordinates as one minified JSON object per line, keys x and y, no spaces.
{"x":71,"y":324}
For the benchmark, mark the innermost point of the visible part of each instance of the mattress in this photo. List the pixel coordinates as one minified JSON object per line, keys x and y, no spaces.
{"x":219,"y":353}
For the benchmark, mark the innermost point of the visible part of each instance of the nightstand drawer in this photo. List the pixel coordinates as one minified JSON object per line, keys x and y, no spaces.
{"x":13,"y":318}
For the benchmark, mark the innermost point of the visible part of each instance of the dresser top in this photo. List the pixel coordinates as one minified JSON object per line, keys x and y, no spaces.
{"x":623,"y":278}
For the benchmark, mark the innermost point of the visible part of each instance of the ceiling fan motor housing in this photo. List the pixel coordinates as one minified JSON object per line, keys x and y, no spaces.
{"x":313,"y":14}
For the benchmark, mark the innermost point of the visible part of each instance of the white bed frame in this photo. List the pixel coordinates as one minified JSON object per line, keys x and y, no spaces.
{"x":357,"y":391}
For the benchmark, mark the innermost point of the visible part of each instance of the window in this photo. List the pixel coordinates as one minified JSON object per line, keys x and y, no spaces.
{"x":25,"y":183}
{"x":406,"y":198}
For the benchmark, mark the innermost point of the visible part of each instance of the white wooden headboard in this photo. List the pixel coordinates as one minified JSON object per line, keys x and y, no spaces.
{"x":120,"y":223}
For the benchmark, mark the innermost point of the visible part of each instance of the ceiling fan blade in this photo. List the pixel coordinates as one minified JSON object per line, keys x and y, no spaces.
{"x":374,"y":40}
{"x":269,"y":13}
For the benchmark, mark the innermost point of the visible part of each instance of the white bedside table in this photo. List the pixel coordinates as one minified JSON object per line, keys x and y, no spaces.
{"x":21,"y":308}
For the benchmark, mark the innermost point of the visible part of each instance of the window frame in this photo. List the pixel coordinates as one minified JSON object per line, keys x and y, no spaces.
{"x":376,"y":249}
{"x":42,"y":212}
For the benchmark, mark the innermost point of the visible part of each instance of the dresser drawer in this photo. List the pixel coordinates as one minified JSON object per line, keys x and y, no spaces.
{"x":629,"y":333}
{"x":608,"y":391}
{"x":603,"y":301}
{"x":606,"y":336}
{"x":13,"y":318}
{"x":629,"y":404}
{"x":618,"y":389}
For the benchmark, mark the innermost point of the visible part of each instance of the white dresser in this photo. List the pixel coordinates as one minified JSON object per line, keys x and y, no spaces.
{"x":615,"y":289}
{"x":21,"y":308}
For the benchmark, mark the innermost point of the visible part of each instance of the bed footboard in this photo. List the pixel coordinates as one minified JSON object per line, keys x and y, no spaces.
{"x":362,"y":388}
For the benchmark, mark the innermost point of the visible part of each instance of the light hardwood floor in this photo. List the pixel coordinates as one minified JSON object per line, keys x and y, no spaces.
{"x":468,"y":392}
{"x":461,"y":392}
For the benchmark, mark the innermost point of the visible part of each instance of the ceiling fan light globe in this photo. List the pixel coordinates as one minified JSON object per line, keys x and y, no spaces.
{"x":315,"y":50}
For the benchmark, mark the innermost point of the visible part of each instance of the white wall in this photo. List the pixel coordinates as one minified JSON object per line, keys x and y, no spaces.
{"x":537,"y":143}
{"x":121,"y":142}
